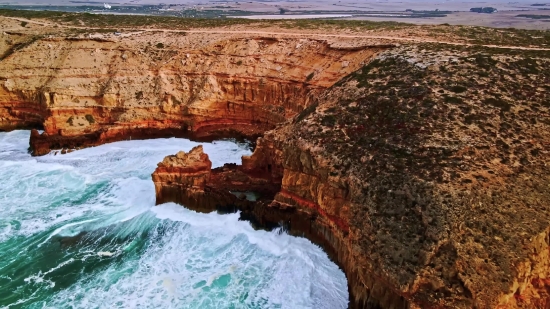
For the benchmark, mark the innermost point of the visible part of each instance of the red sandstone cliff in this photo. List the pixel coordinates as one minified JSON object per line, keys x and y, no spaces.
{"x":423,"y":174}
{"x":424,"y":201}
{"x":187,"y":178}
{"x":88,"y":91}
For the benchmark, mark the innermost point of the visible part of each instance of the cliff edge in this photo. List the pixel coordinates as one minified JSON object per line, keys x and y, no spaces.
{"x":89,"y":90}
{"x":425,"y":177}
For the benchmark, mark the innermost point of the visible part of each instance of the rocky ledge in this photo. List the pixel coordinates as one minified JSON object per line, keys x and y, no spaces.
{"x":187,"y":179}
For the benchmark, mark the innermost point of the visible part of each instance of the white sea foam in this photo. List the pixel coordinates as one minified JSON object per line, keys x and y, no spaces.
{"x":105,"y":253}
{"x":157,"y":256}
{"x":208,"y":261}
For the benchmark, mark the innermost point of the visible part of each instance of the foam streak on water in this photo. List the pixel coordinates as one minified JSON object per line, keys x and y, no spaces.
{"x":81,"y":231}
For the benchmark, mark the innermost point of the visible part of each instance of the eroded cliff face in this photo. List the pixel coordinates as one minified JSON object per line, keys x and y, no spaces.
{"x":88,"y":91}
{"x":442,"y":164}
{"x":187,"y":178}
{"x":424,"y":175}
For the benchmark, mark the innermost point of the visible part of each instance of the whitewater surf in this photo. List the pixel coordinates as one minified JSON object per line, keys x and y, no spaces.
{"x":81,"y":230}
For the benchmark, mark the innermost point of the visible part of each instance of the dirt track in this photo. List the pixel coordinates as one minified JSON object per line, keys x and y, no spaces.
{"x":274,"y":33}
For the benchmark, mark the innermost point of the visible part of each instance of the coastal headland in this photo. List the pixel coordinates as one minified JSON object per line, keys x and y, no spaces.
{"x":417,"y":156}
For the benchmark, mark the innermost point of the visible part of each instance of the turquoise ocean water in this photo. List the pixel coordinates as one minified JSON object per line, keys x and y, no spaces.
{"x":81,"y":231}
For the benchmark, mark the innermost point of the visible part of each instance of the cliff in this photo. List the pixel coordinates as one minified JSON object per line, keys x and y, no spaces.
{"x":88,"y":90}
{"x":424,"y":175}
{"x":422,"y":170}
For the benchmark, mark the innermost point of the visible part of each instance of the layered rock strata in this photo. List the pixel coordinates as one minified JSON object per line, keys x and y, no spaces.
{"x":187,"y":178}
{"x":424,"y":174}
{"x":88,"y":91}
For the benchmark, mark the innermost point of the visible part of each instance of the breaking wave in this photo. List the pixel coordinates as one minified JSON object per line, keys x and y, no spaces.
{"x":81,"y":231}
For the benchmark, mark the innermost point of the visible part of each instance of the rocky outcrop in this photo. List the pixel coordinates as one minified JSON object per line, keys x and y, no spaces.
{"x":20,"y":112}
{"x":187,"y":178}
{"x":429,"y":193}
{"x":89,"y":91}
{"x":291,"y":190}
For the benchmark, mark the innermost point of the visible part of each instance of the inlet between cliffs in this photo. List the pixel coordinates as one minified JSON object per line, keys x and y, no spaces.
{"x":80,"y":230}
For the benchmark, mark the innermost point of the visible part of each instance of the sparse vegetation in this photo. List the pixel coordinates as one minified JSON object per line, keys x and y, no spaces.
{"x":306,"y":112}
{"x":453,"y":100}
{"x":475,"y":35}
{"x":328,"y":120}
{"x":534,"y":16}
{"x":19,"y":46}
{"x":123,"y":21}
{"x":401,"y":96}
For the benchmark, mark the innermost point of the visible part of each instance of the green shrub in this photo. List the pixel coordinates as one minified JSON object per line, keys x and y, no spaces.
{"x":458,"y":89}
{"x":484,"y":61}
{"x":497,"y":102}
{"x":453,"y":100}
{"x":90,"y":118}
{"x":328,"y":120}
{"x":306,"y":112}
